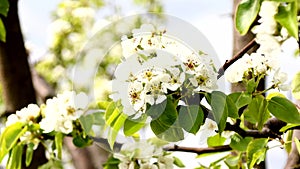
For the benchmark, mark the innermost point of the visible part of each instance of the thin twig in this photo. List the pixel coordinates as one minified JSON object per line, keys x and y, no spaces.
{"x":199,"y":150}
{"x":236,"y":57}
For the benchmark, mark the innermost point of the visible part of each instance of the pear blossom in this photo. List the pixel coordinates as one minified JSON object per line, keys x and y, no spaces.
{"x":279,"y":79}
{"x":60,"y":112}
{"x":25,"y":115}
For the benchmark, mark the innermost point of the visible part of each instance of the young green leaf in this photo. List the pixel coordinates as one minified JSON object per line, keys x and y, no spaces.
{"x":256,"y":112}
{"x":29,"y":154}
{"x":4,"y":7}
{"x":284,"y":110}
{"x":178,"y":162}
{"x":297,"y":144}
{"x":215,"y":140}
{"x":296,"y":86}
{"x":87,"y":122}
{"x":288,"y":141}
{"x":133,"y":126}
{"x":246,"y":14}
{"x":190,"y":118}
{"x":15,"y":159}
{"x":239,"y":143}
{"x":9,"y":137}
{"x":164,"y":123}
{"x":240,"y":99}
{"x":219,"y":109}
{"x":256,"y":151}
{"x":287,"y":17}
{"x":112,"y":135}
{"x":2,"y":31}
{"x":58,"y":140}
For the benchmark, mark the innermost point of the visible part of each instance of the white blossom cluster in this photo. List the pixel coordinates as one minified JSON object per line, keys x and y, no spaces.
{"x":265,"y":59}
{"x":155,"y":66}
{"x":58,"y":114}
{"x":143,"y":155}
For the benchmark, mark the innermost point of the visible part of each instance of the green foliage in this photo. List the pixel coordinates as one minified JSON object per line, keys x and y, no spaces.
{"x":287,"y":17}
{"x":4,"y":6}
{"x":239,"y":143}
{"x":15,"y":158}
{"x":216,"y":140}
{"x":256,"y":151}
{"x":29,"y":154}
{"x":164,"y":122}
{"x":178,"y":162}
{"x":222,"y":107}
{"x":2,"y":32}
{"x":191,"y":118}
{"x":9,"y":138}
{"x":297,"y":144}
{"x":246,"y":14}
{"x":111,"y":163}
{"x":256,"y":112}
{"x":284,"y":110}
{"x":87,"y":121}
{"x":52,"y":164}
{"x":296,"y":86}
{"x":288,"y":141}
{"x":58,"y":141}
{"x":132,"y":126}
{"x":240,"y":99}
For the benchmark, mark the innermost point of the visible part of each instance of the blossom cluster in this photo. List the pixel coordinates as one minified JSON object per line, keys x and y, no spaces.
{"x":143,"y":155}
{"x":156,"y":65}
{"x":265,"y":59}
{"x":57,"y":115}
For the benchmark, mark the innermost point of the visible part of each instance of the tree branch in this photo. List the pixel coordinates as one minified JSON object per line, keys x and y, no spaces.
{"x":237,"y":56}
{"x":199,"y":150}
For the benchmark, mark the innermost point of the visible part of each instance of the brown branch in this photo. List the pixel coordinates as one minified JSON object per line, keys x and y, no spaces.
{"x":237,"y":56}
{"x":199,"y":150}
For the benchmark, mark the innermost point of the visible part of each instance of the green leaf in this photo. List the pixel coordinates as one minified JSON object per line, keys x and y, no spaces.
{"x":219,"y":109}
{"x":132,"y":126}
{"x":163,"y":122}
{"x":110,"y":110}
{"x":287,"y":17}
{"x":103,"y":104}
{"x":297,"y":144}
{"x":288,"y":141}
{"x":113,"y":117}
{"x":2,"y":31}
{"x":231,"y":108}
{"x":52,"y":164}
{"x":296,"y":86}
{"x":190,"y":118}
{"x":80,"y":141}
{"x":239,"y":143}
{"x":29,"y":154}
{"x":256,"y":112}
{"x":251,"y":85}
{"x":98,"y":118}
{"x":4,"y":7}
{"x":246,"y":14}
{"x":111,"y":163}
{"x":284,"y":110}
{"x":178,"y":162}
{"x":215,"y":140}
{"x":232,"y":161}
{"x":87,"y":122}
{"x":288,"y":126}
{"x":58,"y":140}
{"x":9,"y":137}
{"x":240,"y":99}
{"x":256,"y":151}
{"x":15,"y":159}
{"x":112,"y":135}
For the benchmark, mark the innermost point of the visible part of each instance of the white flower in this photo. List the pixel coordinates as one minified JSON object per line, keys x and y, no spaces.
{"x":60,"y":26}
{"x":205,"y":78}
{"x":208,"y":129}
{"x":60,"y":112}
{"x":165,"y":162}
{"x":279,"y":79}
{"x":28,"y":138}
{"x":25,"y":115}
{"x":83,"y":12}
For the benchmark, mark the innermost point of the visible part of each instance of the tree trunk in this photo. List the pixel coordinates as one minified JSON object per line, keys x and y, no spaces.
{"x":15,"y":74}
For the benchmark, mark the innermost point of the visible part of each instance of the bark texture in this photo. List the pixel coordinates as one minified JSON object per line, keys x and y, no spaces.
{"x":15,"y":74}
